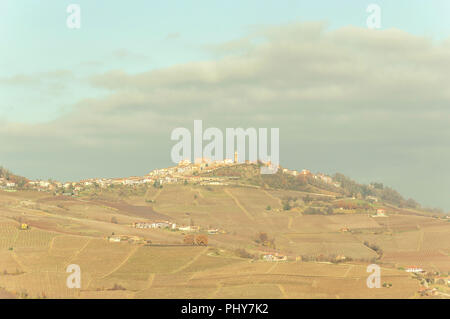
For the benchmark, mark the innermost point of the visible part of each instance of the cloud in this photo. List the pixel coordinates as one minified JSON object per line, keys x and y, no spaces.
{"x":122,"y":54}
{"x":172,"y":36}
{"x":36,"y":78}
{"x":371,"y":103}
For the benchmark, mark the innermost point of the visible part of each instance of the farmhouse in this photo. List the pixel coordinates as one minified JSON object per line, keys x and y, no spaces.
{"x":341,"y":258}
{"x":123,"y":238}
{"x":380,"y":213}
{"x":142,"y":225}
{"x":153,"y":225}
{"x":161,"y":225}
{"x":189,"y":228}
{"x":274,"y":257}
{"x":414,"y":269}
{"x":344,"y":229}
{"x":114,"y":239}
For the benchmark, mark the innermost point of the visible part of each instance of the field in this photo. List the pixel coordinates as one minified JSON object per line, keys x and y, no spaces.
{"x":75,"y":230}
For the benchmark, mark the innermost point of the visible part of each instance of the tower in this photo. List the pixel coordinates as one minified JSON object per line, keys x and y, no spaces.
{"x":235,"y":157}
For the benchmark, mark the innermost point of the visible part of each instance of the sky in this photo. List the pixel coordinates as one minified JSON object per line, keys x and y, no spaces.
{"x":102,"y":100}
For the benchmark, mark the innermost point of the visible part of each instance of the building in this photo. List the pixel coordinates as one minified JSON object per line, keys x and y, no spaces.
{"x":293,"y":173}
{"x":114,"y":239}
{"x":381,"y":212}
{"x":161,"y":225}
{"x":324,"y":178}
{"x":268,"y":257}
{"x":414,"y":269}
{"x":184,"y":162}
{"x":274,"y":257}
{"x":44,"y":184}
{"x":287,"y":171}
{"x":189,"y":228}
{"x":125,"y":238}
{"x":153,"y":225}
{"x":305,"y":172}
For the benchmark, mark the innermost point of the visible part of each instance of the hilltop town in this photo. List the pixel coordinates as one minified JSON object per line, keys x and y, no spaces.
{"x":185,"y":172}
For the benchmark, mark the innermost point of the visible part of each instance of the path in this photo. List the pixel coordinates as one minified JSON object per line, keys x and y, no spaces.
{"x":191,"y":261}
{"x":157,"y":194}
{"x":123,"y":262}
{"x":16,"y":259}
{"x":283,"y":292}
{"x":216,"y":291}
{"x":78,"y":251}
{"x":348,"y":271}
{"x":236,"y":201}
{"x":273,"y":197}
{"x":290,"y":222}
{"x":271,"y":268}
{"x":150,"y":280}
{"x":51,"y":243}
{"x":420,"y":242}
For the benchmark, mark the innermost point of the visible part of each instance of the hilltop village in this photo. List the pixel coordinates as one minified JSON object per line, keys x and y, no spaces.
{"x":184,"y":172}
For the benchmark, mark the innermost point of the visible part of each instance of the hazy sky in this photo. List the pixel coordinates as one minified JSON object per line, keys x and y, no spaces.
{"x":101,"y":101}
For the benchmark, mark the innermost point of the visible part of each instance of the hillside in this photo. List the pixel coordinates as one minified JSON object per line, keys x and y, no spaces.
{"x":8,"y":177}
{"x":345,"y":187}
{"x":278,"y":236}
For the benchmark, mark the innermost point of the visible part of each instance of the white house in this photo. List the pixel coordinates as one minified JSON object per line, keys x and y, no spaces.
{"x":114,"y":239}
{"x":414,"y":269}
{"x":274,"y":257}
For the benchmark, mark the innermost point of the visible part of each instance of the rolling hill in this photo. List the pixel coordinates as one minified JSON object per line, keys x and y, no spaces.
{"x":323,"y":235}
